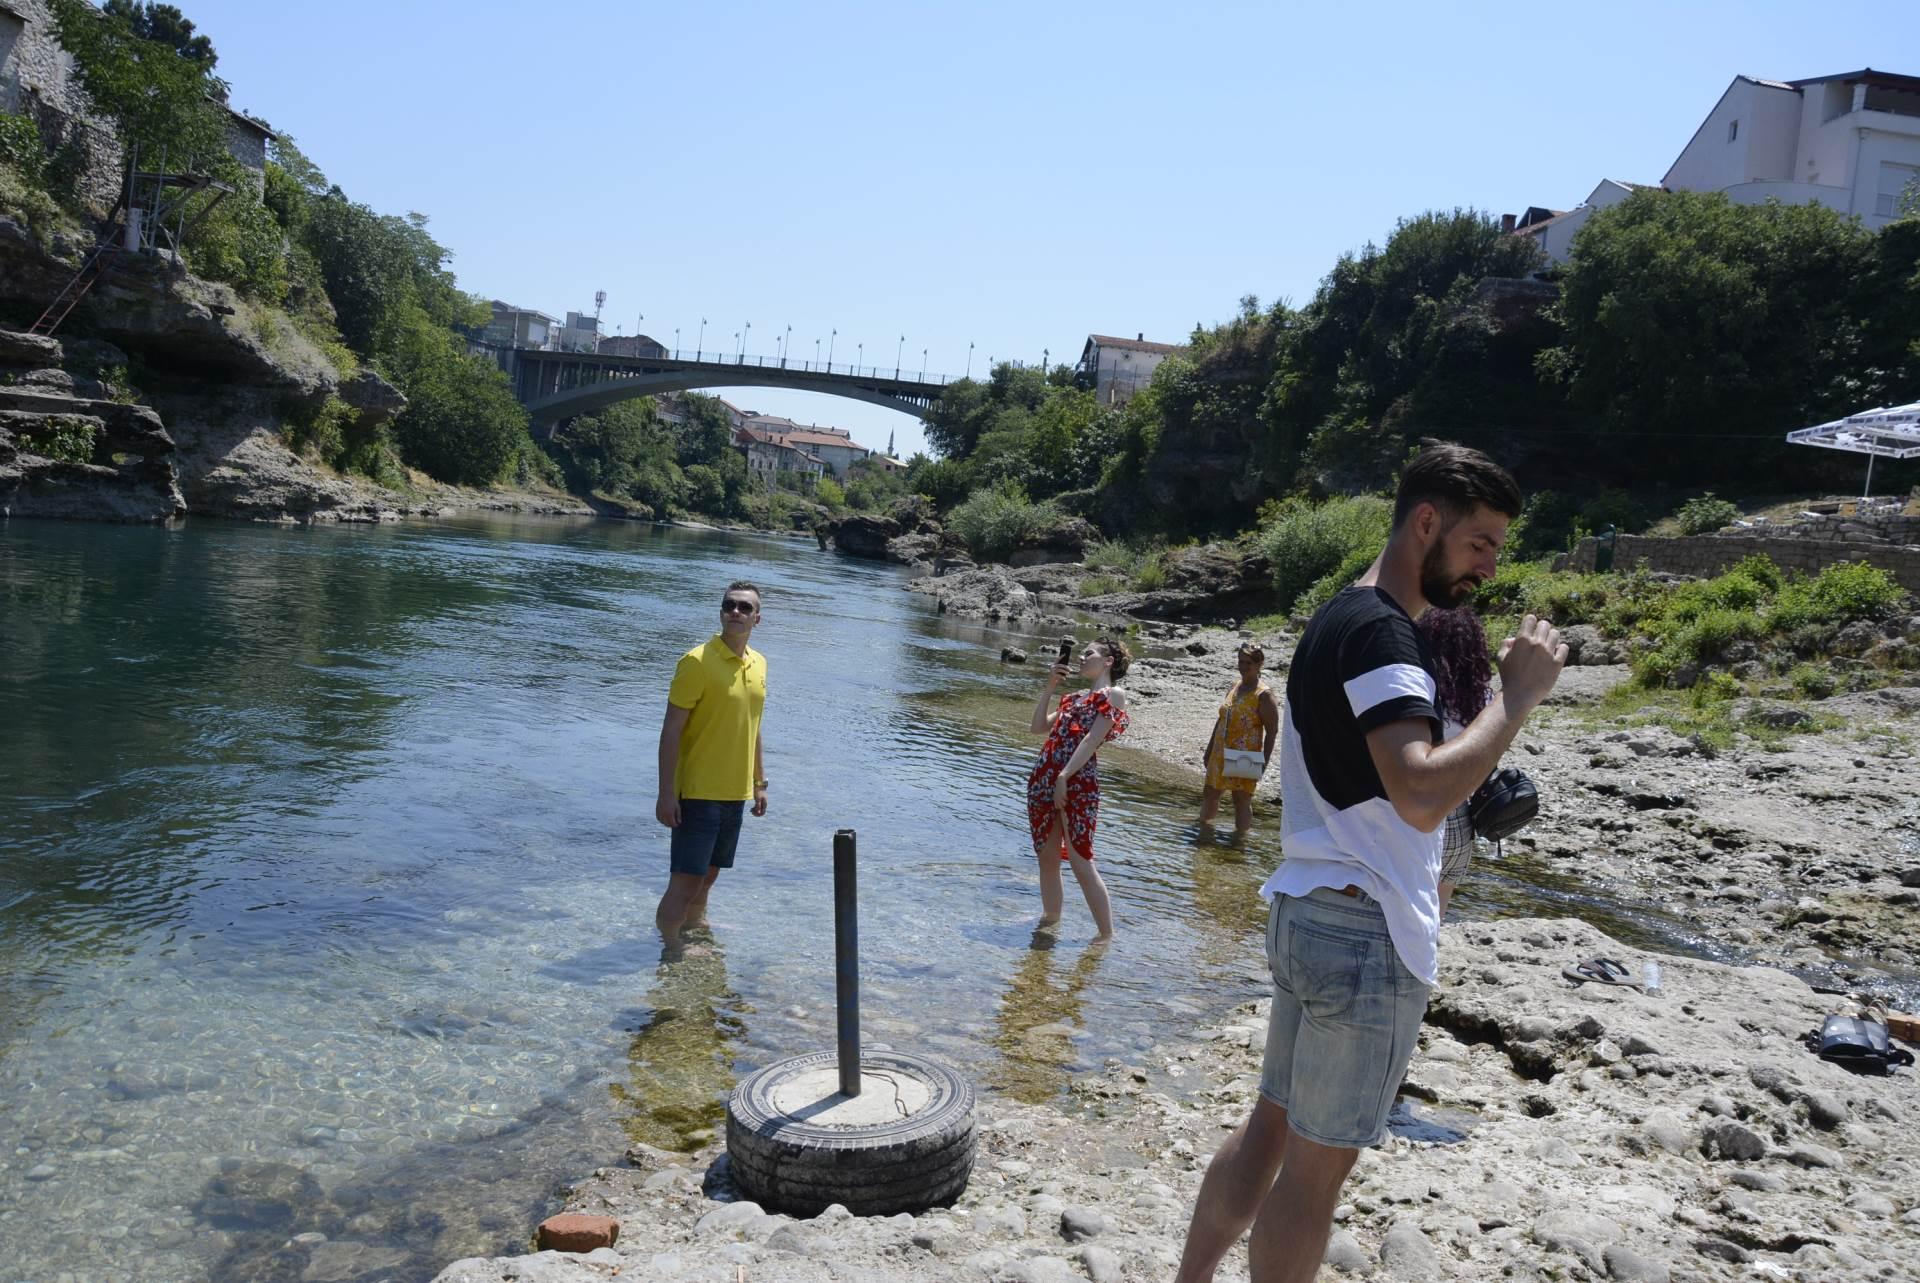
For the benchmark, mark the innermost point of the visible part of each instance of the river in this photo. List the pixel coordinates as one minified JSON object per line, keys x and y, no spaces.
{"x":328,"y":866}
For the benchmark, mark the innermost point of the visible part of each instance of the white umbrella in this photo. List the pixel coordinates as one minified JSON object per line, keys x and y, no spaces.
{"x":1892,"y":432}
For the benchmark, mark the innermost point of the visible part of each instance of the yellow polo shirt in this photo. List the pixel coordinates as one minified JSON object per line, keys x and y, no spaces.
{"x":724,"y":693}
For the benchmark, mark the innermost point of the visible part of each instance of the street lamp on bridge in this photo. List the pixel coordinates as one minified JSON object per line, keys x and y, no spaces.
{"x":859,"y":356}
{"x":786,"y":346}
{"x":896,"y":355}
{"x":703,"y":339}
{"x":676,"y":343}
{"x":816,"y":353}
{"x":830,"y":338}
{"x":923,"y":365}
{"x":969,"y":360}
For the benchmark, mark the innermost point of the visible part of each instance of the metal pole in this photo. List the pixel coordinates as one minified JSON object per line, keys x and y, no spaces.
{"x":846,"y":960}
{"x":1869,"y":488}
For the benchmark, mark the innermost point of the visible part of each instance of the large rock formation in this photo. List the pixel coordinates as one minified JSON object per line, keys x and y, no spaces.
{"x":907,"y":534}
{"x":68,"y":455}
{"x":1214,"y":581}
{"x":221,"y":377}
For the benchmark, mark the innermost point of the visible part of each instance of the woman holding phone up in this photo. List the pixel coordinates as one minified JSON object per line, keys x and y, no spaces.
{"x":1063,"y":792}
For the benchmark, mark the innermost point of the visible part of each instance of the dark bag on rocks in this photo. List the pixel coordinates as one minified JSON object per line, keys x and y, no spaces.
{"x":1859,"y":1045}
{"x":1504,"y":805}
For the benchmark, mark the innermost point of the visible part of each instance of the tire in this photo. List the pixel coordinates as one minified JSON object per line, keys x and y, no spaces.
{"x":790,"y":1165}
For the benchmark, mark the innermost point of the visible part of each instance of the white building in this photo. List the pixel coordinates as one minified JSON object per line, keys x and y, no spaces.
{"x":1849,"y":141}
{"x":1118,"y":368}
{"x":1554,"y":233}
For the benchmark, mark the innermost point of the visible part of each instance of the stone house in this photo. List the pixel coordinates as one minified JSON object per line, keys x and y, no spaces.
{"x":1117,"y":368}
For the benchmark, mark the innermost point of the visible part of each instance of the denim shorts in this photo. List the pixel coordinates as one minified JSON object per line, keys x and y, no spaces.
{"x":706,"y":836}
{"x":1346,"y":1015}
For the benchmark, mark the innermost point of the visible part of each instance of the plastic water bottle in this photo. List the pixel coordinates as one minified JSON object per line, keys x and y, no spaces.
{"x":1650,"y":977}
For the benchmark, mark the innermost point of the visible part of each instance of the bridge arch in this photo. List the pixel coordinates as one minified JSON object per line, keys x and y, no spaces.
{"x":557,"y":386}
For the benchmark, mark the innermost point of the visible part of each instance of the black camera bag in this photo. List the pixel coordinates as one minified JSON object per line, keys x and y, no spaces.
{"x":1504,"y":805}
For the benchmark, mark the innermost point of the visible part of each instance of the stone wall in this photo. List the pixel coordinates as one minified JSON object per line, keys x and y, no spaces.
{"x":37,"y":80}
{"x":1703,"y":555}
{"x":1889,"y":528}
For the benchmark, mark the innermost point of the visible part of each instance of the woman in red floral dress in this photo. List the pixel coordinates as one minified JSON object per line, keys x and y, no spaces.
{"x":1063,"y":793}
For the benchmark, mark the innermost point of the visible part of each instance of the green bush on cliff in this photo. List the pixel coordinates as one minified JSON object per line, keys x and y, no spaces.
{"x":994,"y":522}
{"x":20,"y":147}
{"x":1308,"y":543}
{"x":66,"y":437}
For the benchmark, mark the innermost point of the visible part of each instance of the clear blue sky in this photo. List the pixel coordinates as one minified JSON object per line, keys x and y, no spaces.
{"x":1008,"y":175}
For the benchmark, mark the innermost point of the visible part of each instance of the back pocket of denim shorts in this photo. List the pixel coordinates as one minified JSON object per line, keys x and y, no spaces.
{"x":1326,"y":967}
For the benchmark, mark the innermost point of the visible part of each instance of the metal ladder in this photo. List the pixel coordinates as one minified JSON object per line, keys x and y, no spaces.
{"x":76,"y":289}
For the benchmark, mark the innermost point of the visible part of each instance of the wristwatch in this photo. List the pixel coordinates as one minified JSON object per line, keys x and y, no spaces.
{"x":759,"y":784}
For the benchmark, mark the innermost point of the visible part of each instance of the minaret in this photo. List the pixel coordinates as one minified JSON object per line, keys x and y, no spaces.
{"x":889,"y":444}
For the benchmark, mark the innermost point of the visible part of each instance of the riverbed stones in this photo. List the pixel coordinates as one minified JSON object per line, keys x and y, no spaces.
{"x":1724,"y":1138}
{"x":1079,"y":1222}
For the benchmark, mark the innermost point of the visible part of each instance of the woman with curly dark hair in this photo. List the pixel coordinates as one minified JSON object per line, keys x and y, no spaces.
{"x":1063,"y":791}
{"x":1463,"y":673}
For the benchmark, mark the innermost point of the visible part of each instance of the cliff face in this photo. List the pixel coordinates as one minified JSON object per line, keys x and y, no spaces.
{"x":219,"y":379}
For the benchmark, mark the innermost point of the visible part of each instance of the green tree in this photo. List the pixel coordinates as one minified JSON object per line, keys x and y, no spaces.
{"x":461,"y":423}
{"x":166,"y":25}
{"x":145,"y":71}
{"x":1698,"y":323}
{"x":707,"y":435}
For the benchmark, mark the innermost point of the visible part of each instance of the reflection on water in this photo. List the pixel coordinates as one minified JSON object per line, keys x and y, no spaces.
{"x":1039,"y":1018}
{"x":681,"y":1060}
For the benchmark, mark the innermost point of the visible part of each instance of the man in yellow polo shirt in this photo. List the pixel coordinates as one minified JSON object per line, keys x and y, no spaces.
{"x":710,"y":763}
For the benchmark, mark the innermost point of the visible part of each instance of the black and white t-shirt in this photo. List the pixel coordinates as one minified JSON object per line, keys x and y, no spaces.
{"x":1360,"y":665}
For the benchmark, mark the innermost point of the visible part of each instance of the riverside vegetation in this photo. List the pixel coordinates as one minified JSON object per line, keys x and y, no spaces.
{"x":1681,"y":319}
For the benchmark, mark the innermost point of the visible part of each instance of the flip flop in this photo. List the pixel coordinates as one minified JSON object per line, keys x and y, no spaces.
{"x":1599,"y":971}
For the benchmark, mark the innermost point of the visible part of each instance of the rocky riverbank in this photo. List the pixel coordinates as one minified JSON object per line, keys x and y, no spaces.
{"x":1548,"y":1130}
{"x":220,"y":380}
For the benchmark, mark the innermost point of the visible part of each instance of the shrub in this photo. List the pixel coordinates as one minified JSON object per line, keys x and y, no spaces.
{"x":829,"y":492}
{"x":1813,"y":681}
{"x":1305,"y":545}
{"x":1717,"y":688}
{"x":20,"y":147}
{"x":1101,"y":585}
{"x":1697,"y":642}
{"x":66,"y":437}
{"x":1152,"y":573}
{"x":1333,"y":581}
{"x":1705,"y":514}
{"x":994,"y":522}
{"x":1839,"y":594}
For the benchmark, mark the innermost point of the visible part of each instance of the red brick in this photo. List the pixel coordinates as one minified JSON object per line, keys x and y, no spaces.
{"x":572,"y":1232}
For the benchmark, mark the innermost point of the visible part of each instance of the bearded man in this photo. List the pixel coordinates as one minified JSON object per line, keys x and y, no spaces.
{"x":1352,"y":938}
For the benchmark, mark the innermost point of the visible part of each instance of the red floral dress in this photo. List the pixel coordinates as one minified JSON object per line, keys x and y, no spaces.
{"x":1079,"y":710}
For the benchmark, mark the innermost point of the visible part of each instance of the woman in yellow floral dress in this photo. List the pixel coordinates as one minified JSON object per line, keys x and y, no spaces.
{"x":1249,"y":719}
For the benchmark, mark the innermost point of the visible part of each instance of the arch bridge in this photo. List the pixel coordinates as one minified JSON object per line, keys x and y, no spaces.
{"x":554,"y":386}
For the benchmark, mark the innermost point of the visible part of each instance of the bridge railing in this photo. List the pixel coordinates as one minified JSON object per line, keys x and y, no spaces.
{"x":902,"y":374}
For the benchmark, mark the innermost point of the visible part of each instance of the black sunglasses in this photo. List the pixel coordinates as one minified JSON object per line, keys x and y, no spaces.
{"x":737,"y":606}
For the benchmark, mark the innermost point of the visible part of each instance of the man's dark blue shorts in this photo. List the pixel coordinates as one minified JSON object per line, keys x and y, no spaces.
{"x":707,"y":835}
